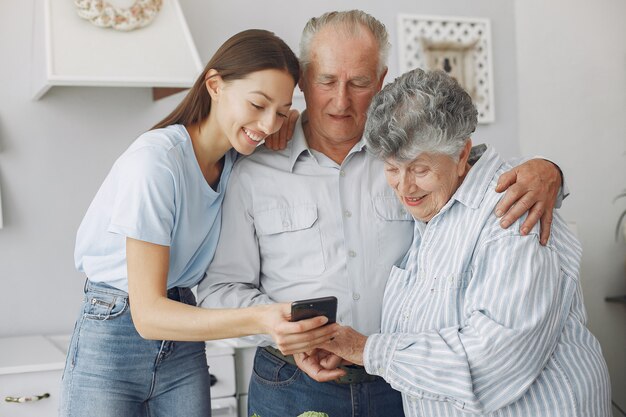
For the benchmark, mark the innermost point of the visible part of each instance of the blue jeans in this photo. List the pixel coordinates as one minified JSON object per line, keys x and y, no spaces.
{"x":111,"y":371}
{"x":280,"y":389}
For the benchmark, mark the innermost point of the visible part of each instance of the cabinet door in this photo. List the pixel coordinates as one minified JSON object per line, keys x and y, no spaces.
{"x":29,"y":385}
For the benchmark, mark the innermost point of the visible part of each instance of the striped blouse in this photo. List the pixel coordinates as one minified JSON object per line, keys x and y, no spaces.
{"x":482,"y":320}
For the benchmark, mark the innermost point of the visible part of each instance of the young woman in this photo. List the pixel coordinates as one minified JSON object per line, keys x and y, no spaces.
{"x":150,"y":233}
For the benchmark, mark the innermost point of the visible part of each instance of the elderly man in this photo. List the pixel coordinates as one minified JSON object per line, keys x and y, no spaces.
{"x":318,"y":219}
{"x":477,"y":319}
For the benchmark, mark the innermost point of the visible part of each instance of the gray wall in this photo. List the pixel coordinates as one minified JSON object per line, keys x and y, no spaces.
{"x":54,"y":153}
{"x":572,"y":99}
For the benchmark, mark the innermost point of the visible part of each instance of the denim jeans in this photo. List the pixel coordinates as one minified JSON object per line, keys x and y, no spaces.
{"x":280,"y":389}
{"x":111,"y":371}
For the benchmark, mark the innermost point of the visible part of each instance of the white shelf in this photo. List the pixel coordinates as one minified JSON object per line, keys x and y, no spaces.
{"x":70,"y":51}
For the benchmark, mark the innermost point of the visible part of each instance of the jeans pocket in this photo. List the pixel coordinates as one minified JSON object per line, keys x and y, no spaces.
{"x":103,"y":306}
{"x":270,"y":370}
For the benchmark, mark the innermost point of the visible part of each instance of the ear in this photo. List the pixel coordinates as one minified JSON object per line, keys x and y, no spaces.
{"x":301,"y":82}
{"x":463,"y":157}
{"x":382,"y":79}
{"x":214,"y":84}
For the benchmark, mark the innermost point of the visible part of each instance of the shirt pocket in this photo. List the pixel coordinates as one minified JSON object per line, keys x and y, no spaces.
{"x":444,"y":300}
{"x":394,"y":229}
{"x":290,"y":240}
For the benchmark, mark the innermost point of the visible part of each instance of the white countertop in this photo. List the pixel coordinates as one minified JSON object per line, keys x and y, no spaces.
{"x":29,"y":354}
{"x":45,"y":353}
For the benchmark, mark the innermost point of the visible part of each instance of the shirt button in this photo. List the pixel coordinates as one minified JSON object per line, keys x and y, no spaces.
{"x":342,"y":173}
{"x":347,"y":213}
{"x":356,"y":296}
{"x":285,"y":224}
{"x":352,"y":254}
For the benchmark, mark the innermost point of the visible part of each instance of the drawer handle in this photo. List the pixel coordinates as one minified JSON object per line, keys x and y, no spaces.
{"x":22,"y":400}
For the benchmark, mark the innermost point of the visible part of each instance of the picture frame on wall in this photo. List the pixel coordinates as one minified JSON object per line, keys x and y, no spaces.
{"x":460,"y":46}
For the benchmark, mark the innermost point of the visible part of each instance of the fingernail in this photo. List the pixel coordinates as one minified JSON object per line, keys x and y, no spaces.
{"x":498,"y":212}
{"x":524,"y":230}
{"x":504,"y":223}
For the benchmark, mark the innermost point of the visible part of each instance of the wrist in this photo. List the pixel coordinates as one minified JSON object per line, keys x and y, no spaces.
{"x":262,"y":321}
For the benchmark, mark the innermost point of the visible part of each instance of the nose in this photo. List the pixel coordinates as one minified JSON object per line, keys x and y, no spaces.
{"x":269,"y":122}
{"x":342,"y":96}
{"x":406,"y":185}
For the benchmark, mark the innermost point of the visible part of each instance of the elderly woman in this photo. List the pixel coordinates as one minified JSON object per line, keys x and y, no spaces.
{"x":477,"y":319}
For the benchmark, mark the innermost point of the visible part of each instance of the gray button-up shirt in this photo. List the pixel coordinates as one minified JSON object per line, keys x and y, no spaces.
{"x":297,"y":225}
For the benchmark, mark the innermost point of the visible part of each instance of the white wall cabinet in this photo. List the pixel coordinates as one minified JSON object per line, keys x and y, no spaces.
{"x":29,"y":367}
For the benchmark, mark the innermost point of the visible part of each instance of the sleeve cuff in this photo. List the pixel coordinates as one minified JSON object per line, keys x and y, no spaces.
{"x":378,"y":353}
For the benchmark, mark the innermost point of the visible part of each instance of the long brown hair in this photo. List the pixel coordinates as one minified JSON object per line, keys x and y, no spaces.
{"x":246,"y":52}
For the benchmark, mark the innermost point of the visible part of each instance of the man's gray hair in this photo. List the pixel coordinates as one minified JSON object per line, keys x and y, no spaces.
{"x":351,"y":21}
{"x":421,"y":111}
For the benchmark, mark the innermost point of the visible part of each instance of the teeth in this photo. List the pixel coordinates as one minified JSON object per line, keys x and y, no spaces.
{"x":253,"y":136}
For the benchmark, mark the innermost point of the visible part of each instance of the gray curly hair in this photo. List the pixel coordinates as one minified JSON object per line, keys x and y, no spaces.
{"x":351,"y":21}
{"x":421,"y":111}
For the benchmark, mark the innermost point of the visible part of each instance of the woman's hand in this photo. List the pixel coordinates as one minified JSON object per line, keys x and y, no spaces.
{"x":348,"y":343}
{"x":531,"y":187}
{"x":295,"y":337}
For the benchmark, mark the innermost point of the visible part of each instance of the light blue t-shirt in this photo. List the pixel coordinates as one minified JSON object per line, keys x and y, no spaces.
{"x":156,"y":193}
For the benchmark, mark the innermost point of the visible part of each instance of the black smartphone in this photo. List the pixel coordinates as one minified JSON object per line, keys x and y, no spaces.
{"x":305,"y":309}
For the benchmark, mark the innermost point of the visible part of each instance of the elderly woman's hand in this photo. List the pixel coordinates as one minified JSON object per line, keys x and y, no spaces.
{"x":533,"y":187}
{"x":347,"y":343}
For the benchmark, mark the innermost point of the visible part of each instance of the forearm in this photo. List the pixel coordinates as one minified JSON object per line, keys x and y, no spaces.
{"x":164,"y":319}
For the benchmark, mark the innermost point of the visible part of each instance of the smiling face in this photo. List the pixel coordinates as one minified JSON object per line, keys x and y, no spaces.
{"x":248,"y":110}
{"x":425,"y":184}
{"x":339,"y":85}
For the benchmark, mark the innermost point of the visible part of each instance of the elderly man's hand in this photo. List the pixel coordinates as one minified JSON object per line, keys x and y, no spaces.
{"x":533,"y":187}
{"x":278,"y":140}
{"x":320,"y":365}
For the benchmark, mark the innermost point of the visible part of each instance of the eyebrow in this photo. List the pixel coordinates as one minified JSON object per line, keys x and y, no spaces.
{"x":268,"y":98}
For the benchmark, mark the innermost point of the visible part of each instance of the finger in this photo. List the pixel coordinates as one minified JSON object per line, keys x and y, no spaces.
{"x":303,"y":341}
{"x":281,"y":143}
{"x":269,"y":141}
{"x":506,"y":180}
{"x":512,"y":195}
{"x":546,"y":227}
{"x":326,"y":375}
{"x":291,"y":123}
{"x":534,"y":214}
{"x":331,"y":361}
{"x":299,"y":346}
{"x":311,"y":366}
{"x":516,"y":211}
{"x":306,"y":345}
{"x":303,"y":326}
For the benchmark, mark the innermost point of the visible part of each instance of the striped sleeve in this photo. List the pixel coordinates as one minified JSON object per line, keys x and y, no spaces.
{"x":514,"y":310}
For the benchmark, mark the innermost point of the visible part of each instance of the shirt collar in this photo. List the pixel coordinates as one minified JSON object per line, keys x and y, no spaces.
{"x":299,"y":144}
{"x":475,"y":185}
